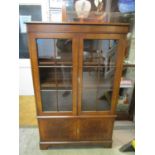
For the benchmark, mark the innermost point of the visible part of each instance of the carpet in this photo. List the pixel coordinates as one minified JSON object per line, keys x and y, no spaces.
{"x":27,"y":111}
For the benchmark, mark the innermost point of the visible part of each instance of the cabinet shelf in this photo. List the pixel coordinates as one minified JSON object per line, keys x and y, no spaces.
{"x":53,"y":85}
{"x":53,"y":62}
{"x":97,"y":87}
{"x":97,"y":64}
{"x":54,"y":66}
{"x":46,"y":90}
{"x":50,"y":83}
{"x":128,"y":65}
{"x":69,"y":63}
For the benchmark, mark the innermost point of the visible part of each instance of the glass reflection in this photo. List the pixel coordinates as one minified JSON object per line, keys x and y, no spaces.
{"x":99,"y":58}
{"x":54,"y":50}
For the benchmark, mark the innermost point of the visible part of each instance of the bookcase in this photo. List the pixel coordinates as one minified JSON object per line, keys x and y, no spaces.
{"x":76,"y":70}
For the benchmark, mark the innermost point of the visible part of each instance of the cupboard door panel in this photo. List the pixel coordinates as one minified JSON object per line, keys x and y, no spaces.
{"x":95,"y":129}
{"x":54,"y":68}
{"x":57,"y":129}
{"x":98,"y":65}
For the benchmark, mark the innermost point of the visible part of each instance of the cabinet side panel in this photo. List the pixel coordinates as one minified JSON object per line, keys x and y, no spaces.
{"x":118,"y":72}
{"x":34,"y":69}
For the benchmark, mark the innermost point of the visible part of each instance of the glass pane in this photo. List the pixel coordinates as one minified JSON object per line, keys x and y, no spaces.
{"x":100,"y":52}
{"x":99,"y":58}
{"x":65,"y":100}
{"x":104,"y":99}
{"x":97,"y":89}
{"x":89,"y":99}
{"x":54,"y":51}
{"x":59,"y":80}
{"x":64,"y":78}
{"x":56,"y":78}
{"x":64,"y":85}
{"x":48,"y":78}
{"x":98,"y":76}
{"x":55,"y":69}
{"x":96,"y":99}
{"x":49,"y":99}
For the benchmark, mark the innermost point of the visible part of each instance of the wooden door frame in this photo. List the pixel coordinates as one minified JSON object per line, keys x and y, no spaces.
{"x":35,"y":70}
{"x":117,"y":75}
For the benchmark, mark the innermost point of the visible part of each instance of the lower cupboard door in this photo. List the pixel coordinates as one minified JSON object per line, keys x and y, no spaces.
{"x":57,"y":129}
{"x":95,"y":129}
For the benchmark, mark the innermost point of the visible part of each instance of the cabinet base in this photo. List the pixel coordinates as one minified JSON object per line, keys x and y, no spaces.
{"x":47,"y":145}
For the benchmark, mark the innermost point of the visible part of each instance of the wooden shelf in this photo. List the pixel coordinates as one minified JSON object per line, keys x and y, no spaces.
{"x":106,"y":84}
{"x":69,"y":63}
{"x":96,"y":64}
{"x":128,"y":65}
{"x":53,"y":62}
{"x":49,"y":83}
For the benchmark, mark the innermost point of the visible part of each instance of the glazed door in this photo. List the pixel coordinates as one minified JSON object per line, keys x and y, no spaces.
{"x":55,"y":73}
{"x":100,"y":63}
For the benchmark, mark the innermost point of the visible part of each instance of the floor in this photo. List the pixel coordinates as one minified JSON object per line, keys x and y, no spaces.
{"x":123,"y":133}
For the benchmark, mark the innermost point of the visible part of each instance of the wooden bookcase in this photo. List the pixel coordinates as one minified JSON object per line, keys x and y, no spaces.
{"x":76,"y":70}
